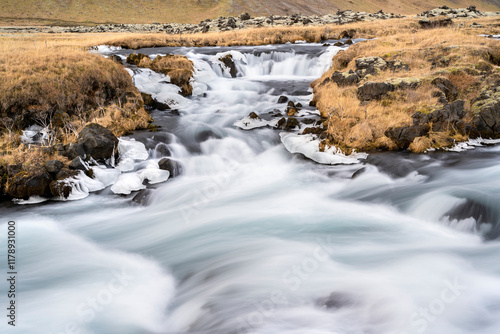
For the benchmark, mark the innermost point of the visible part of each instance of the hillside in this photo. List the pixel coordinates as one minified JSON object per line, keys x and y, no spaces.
{"x":69,"y":12}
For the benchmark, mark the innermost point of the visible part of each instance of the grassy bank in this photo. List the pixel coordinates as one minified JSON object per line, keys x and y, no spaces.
{"x":453,"y":56}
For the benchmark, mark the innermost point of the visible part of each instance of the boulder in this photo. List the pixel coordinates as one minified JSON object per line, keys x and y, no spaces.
{"x":53,"y":166}
{"x":253,"y":115}
{"x":34,"y":182}
{"x":228,"y":62}
{"x":97,"y":142}
{"x":60,"y":187}
{"x":345,"y":78}
{"x":150,"y":103}
{"x":370,"y":65}
{"x":448,"y":116}
{"x":403,"y":136}
{"x":487,"y":115}
{"x":116,"y":59}
{"x":78,"y":164}
{"x":173,"y":166}
{"x":447,"y":87}
{"x":245,"y":16}
{"x":374,"y":90}
{"x":13,"y":170}
{"x":135,"y":59}
{"x":282,"y":99}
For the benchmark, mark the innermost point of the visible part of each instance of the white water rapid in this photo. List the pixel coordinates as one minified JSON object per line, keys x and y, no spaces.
{"x":251,"y":238}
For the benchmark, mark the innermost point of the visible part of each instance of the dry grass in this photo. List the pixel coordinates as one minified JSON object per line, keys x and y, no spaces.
{"x":55,"y":82}
{"x":458,"y":54}
{"x":179,"y":68}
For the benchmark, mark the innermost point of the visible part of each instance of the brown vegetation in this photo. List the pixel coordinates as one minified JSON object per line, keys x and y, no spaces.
{"x":452,"y":53}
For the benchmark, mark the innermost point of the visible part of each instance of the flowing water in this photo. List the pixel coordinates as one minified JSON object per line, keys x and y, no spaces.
{"x":253,"y":239}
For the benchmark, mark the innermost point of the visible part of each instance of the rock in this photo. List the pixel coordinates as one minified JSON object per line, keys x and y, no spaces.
{"x":245,"y":16}
{"x":374,"y":90}
{"x":335,"y":301}
{"x":345,"y":78}
{"x":143,"y":197}
{"x":116,"y":59}
{"x":338,"y":44}
{"x":13,"y":170}
{"x":228,"y":61}
{"x":34,"y":182}
{"x":97,"y":142}
{"x":53,"y":166}
{"x":282,"y":99}
{"x":152,"y":104}
{"x":65,"y":173}
{"x":448,"y":116}
{"x":78,"y":164}
{"x":60,"y":189}
{"x":403,"y":136}
{"x":253,"y":115}
{"x":291,"y":123}
{"x":428,"y":24}
{"x":135,"y":59}
{"x":486,"y":113}
{"x":313,"y":130}
{"x":447,"y":87}
{"x":173,"y":166}
{"x":370,"y":65}
{"x":347,"y":34}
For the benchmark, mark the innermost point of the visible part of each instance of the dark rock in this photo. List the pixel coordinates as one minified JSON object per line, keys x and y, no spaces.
{"x":13,"y":170}
{"x":447,"y":87}
{"x":78,"y":164}
{"x":173,"y":166}
{"x":135,"y":59}
{"x":116,"y":59}
{"x":374,"y":90}
{"x":162,"y":150}
{"x":54,"y":166}
{"x":313,"y":130}
{"x":291,"y":123}
{"x":487,"y":115}
{"x":403,"y":136}
{"x":245,"y":16}
{"x":308,"y":121}
{"x":448,"y":116}
{"x":152,"y":104}
{"x":34,"y":182}
{"x":347,"y":34}
{"x":282,"y":99}
{"x":143,"y":197}
{"x":97,"y":142}
{"x":428,"y":24}
{"x":65,"y":173}
{"x":345,"y":78}
{"x":228,"y":61}
{"x":358,"y":172}
{"x":60,"y":189}
{"x":349,"y":42}
{"x":281,"y":123}
{"x":291,"y":104}
{"x":338,"y":44}
{"x":253,"y":115}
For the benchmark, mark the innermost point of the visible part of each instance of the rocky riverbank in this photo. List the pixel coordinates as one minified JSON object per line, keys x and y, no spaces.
{"x":243,"y":21}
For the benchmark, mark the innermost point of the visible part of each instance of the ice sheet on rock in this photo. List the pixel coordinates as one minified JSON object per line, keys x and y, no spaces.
{"x":127,"y":183}
{"x":81,"y":186}
{"x":130,"y":148}
{"x":107,"y":176}
{"x":158,"y":86}
{"x":472,"y":144}
{"x":153,"y":173}
{"x":309,"y":147}
{"x":236,"y":57}
{"x":31,"y":200}
{"x":248,"y":123}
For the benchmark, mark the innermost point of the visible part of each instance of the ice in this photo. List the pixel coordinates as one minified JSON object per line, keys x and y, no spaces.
{"x":107,"y":176}
{"x":130,"y":148}
{"x":472,"y":144}
{"x":309,"y":146}
{"x":31,"y":200}
{"x":35,"y":134}
{"x":104,"y":49}
{"x":81,"y":186}
{"x":159,"y":86}
{"x":153,"y":173}
{"x":248,"y":123}
{"x":127,"y":183}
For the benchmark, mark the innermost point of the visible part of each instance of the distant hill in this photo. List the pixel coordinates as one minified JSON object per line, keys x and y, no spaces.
{"x":24,"y":12}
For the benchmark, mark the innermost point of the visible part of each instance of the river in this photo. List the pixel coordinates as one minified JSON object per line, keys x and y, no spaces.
{"x":254,"y":239}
